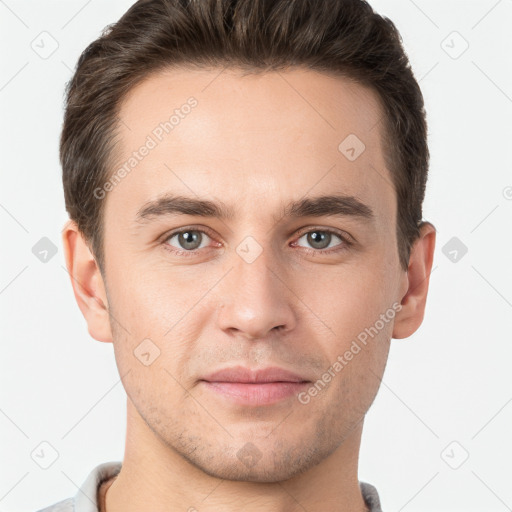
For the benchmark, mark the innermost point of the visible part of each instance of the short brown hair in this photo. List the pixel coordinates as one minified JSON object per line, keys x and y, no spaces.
{"x":344,"y":37}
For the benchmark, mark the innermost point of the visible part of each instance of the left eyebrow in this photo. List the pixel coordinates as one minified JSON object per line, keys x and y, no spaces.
{"x":330,"y":205}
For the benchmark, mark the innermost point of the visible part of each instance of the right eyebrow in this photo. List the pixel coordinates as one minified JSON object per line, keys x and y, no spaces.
{"x":168,"y":205}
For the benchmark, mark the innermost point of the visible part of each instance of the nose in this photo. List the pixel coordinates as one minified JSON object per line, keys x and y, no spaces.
{"x":256,"y":299}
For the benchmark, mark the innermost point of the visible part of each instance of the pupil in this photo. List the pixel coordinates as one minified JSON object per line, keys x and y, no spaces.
{"x":188,"y":240}
{"x":319,"y":239}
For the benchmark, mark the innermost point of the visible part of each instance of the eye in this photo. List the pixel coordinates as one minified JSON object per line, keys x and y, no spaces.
{"x":187,"y":240}
{"x":321,"y":239}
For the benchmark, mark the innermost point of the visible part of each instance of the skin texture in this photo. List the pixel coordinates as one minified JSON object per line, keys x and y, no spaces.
{"x":254,"y":142}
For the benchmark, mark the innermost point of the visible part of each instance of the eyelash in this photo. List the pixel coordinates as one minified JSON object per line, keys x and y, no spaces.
{"x":346,"y":243}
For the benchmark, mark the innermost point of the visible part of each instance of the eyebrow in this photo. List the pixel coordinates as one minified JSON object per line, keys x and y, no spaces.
{"x":327,"y":205}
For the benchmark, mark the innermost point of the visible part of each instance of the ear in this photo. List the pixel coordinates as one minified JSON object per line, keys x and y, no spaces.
{"x":87,"y":283}
{"x":415,"y":285}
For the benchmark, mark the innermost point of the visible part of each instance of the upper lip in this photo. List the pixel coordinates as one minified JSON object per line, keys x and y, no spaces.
{"x":246,"y":375}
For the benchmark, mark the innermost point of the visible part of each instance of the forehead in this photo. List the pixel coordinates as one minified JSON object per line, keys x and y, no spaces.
{"x":267,"y":137}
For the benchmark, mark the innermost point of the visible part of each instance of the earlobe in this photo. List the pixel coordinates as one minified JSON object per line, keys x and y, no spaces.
{"x":410,"y":317}
{"x":87,"y":283}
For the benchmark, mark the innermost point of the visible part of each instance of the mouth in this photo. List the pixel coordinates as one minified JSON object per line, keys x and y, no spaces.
{"x":248,"y":387}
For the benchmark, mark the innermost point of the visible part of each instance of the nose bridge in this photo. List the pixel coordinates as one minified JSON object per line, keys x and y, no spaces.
{"x":254,"y":296}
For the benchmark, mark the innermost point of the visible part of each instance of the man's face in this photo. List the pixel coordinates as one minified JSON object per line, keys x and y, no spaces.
{"x":260,"y":288}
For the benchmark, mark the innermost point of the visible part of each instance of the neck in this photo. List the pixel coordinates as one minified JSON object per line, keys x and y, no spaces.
{"x":155,"y":477}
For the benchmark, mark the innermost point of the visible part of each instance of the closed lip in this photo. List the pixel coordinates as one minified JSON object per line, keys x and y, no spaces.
{"x":255,"y":376}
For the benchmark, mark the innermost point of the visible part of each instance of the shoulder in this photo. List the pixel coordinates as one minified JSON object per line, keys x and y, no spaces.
{"x":85,"y":499}
{"x":370,"y":496}
{"x":61,"y":506}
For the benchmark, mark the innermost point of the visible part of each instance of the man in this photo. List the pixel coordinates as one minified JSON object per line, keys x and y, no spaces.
{"x":244,"y":180}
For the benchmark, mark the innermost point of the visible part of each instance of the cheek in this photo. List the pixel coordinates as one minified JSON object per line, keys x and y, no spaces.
{"x":156,"y":319}
{"x":349,"y":298}
{"x":151,"y":301}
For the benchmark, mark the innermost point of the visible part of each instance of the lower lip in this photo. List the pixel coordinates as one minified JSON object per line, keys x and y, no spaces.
{"x":256,"y":394}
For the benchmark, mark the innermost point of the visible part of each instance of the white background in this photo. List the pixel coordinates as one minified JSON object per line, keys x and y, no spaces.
{"x":450,"y":381}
